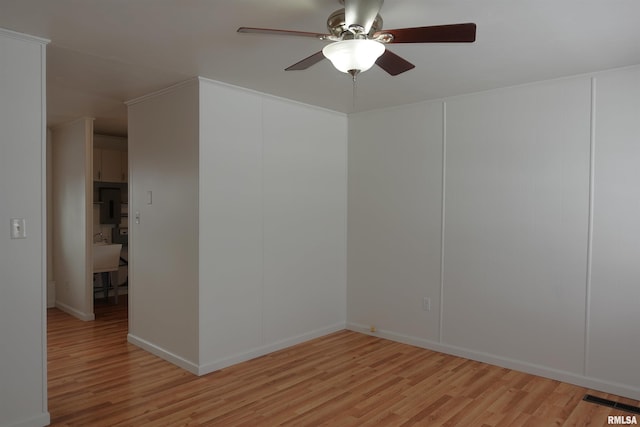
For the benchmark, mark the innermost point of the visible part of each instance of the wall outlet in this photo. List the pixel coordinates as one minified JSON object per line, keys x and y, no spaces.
{"x":18,"y":228}
{"x":373,"y":329}
{"x":426,"y":304}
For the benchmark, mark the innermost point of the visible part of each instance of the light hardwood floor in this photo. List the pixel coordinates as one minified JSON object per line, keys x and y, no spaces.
{"x":344,"y":379}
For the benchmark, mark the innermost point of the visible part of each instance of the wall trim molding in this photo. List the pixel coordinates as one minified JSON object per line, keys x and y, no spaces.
{"x":23,"y":36}
{"x":592,"y":186}
{"x":218,"y":364}
{"x":200,"y":79}
{"x":43,"y":419}
{"x":75,"y":312}
{"x":169,"y":89}
{"x":504,"y":362}
{"x":443,"y":212}
{"x":72,"y":122}
{"x":50,"y":296}
{"x":44,"y":221}
{"x":163,"y":354}
{"x":215,"y":365}
{"x":269,"y":96}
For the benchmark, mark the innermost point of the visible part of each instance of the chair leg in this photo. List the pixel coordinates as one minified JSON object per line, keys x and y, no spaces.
{"x":106,"y":278}
{"x":115,"y":289}
{"x":95,"y":277}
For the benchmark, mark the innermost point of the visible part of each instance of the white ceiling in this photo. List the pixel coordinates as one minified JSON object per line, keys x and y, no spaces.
{"x":104,"y":52}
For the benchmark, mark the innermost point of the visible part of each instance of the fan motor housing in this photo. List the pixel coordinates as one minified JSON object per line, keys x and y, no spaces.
{"x":338,"y":28}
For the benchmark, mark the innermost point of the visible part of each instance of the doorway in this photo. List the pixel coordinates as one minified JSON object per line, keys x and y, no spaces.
{"x":110,"y":216}
{"x":87,"y":196}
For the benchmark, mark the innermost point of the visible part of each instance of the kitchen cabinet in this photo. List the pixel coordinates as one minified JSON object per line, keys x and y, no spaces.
{"x":109,"y":165}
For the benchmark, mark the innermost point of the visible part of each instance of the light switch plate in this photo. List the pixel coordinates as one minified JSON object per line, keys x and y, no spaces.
{"x":18,"y":229}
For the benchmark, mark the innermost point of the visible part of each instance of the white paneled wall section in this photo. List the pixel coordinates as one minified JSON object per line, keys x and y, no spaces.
{"x":163,"y":224}
{"x":71,"y":198}
{"x":304,"y":220}
{"x":516,"y":215}
{"x":613,"y":348}
{"x":395,"y":187}
{"x":23,"y":353}
{"x":272,"y":223}
{"x":534,"y":190}
{"x":243,"y":249}
{"x":231,"y":231}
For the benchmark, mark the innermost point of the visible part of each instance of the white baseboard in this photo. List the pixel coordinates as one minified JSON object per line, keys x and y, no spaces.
{"x":215,"y":365}
{"x":38,"y":420}
{"x":74,"y":312}
{"x":51,"y":294}
{"x":504,"y":362}
{"x":163,"y":354}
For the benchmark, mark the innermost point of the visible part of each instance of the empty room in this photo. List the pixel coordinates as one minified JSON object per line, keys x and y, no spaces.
{"x":320,"y":212}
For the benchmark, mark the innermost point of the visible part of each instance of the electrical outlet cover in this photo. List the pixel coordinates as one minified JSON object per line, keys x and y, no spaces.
{"x":18,"y":229}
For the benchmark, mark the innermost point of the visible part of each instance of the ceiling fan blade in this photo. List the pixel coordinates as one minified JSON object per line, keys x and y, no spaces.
{"x":274,"y":32}
{"x":361,"y":12}
{"x":454,"y":33}
{"x":306,"y":62}
{"x":393,"y":64}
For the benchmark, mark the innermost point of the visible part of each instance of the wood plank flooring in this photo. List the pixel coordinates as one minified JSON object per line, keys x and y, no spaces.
{"x":344,"y":379}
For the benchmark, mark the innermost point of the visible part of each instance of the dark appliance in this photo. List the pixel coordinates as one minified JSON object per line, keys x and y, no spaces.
{"x":110,"y":210}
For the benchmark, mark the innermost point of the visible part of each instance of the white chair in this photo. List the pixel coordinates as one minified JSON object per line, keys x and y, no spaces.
{"x":106,"y":260}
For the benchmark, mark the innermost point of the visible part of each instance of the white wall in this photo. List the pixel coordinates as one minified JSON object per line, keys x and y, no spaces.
{"x":304,"y":220}
{"x":614,"y":316}
{"x":231,"y":244}
{"x":71,"y":205}
{"x":23,"y":376}
{"x":395,"y":188}
{"x":260,"y":185}
{"x":516,"y":284}
{"x":51,"y":284}
{"x":517,"y":197}
{"x":163,"y":247}
{"x":248,"y":223}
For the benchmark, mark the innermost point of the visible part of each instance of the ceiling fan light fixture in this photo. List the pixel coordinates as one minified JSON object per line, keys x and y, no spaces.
{"x":353,"y":56}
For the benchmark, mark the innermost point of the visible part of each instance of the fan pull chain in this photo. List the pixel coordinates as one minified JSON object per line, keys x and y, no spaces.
{"x":353,"y":107}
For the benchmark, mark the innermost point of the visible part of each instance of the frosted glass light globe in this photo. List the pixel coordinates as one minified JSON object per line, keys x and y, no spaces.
{"x":356,"y":54}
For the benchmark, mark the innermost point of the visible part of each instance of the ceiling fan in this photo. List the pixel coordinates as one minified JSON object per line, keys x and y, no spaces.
{"x":358,"y":40}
